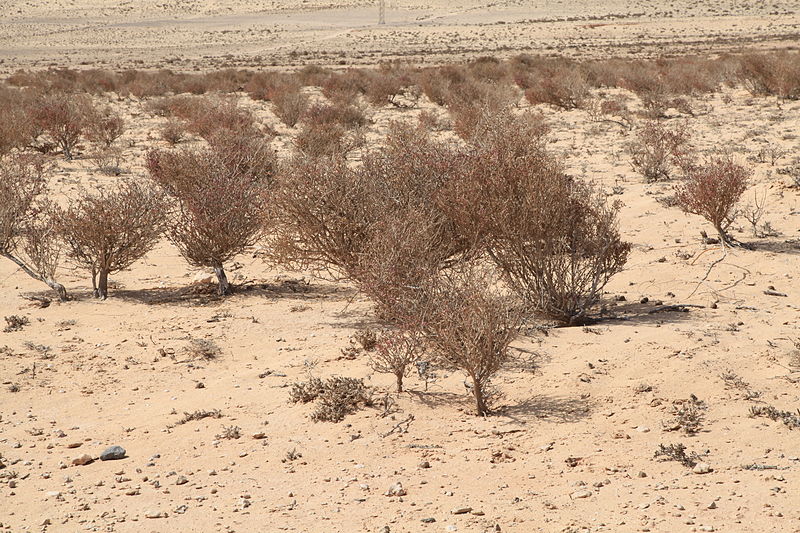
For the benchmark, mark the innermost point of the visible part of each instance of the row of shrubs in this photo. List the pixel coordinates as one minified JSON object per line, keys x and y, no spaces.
{"x":457,"y":244}
{"x":559,"y":81}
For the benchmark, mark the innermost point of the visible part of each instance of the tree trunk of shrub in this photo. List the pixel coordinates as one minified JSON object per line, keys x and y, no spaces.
{"x":59,"y":288}
{"x":102,"y":285}
{"x":480,"y":400}
{"x":224,"y":286}
{"x":399,"y":377}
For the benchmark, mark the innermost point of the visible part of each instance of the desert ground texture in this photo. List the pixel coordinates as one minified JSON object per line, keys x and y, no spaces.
{"x":571,"y":445}
{"x":189,"y":34}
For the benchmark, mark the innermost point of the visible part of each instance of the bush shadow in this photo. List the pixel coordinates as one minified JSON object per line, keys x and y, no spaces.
{"x":549,"y":408}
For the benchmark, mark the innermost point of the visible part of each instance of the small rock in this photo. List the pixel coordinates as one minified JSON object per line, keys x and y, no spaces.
{"x":200,"y":385}
{"x":182,"y":480}
{"x":701,"y":468}
{"x":706,"y":528}
{"x":74,"y":445}
{"x":81,"y":460}
{"x":429,"y":520}
{"x":641,"y":474}
{"x":113,"y":453}
{"x":643,"y":429}
{"x":155,"y":514}
{"x":477,"y":513}
{"x":260,"y":435}
{"x":396,"y":490}
{"x":581,"y":494}
{"x":461,"y":510}
{"x":424,"y":464}
{"x":712,"y":505}
{"x":384,"y":529}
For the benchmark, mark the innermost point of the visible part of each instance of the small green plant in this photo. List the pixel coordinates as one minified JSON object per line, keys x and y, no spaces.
{"x":677,"y":452}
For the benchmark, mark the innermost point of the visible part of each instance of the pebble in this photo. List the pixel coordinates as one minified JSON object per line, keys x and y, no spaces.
{"x":182,"y":480}
{"x":701,"y":468}
{"x":429,"y":520}
{"x":155,"y":514}
{"x":113,"y":453}
{"x":74,"y":445}
{"x":712,"y":505}
{"x":642,"y":429}
{"x":461,"y":510}
{"x":581,"y":494}
{"x":424,"y":464}
{"x":84,"y":459}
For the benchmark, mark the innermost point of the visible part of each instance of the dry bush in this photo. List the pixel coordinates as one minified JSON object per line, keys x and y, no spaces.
{"x":63,"y":117}
{"x":289,"y":103}
{"x":677,"y":452}
{"x":392,"y":84}
{"x":469,"y":102}
{"x":104,"y":126}
{"x":320,"y":140}
{"x":337,"y":397}
{"x":26,"y":232}
{"x":16,"y":128}
{"x":657,"y":150}
{"x":489,"y":68}
{"x":560,"y":85}
{"x":613,"y":109}
{"x":108,"y":160}
{"x":312,"y":75}
{"x":220,"y":192}
{"x":348,"y":116}
{"x":108,"y":231}
{"x":172,"y":106}
{"x":344,"y":88}
{"x":469,"y":326}
{"x":554,"y":238}
{"x":771,"y":74}
{"x":712,"y":191}
{"x":434,"y":85}
{"x":204,"y":349}
{"x":212,"y":118}
{"x":396,"y":353}
{"x":173,"y":131}
{"x":330,"y":213}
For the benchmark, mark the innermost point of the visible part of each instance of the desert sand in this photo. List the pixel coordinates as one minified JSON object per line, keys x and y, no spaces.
{"x":571,"y":448}
{"x":186,"y":34}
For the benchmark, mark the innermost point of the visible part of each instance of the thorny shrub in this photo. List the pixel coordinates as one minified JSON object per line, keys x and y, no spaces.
{"x":109,"y":230}
{"x":658,"y":150}
{"x":712,"y":191}
{"x":220,"y":193}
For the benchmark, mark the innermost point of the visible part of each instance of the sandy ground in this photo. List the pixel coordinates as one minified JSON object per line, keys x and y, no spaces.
{"x":571,"y":450}
{"x":189,"y":34}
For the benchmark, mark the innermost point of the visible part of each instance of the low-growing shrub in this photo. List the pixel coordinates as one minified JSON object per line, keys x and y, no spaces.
{"x":712,"y":191}
{"x":657,"y":150}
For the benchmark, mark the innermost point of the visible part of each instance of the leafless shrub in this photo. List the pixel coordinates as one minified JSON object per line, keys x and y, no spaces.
{"x":332,"y":217}
{"x":712,"y":190}
{"x":108,"y":160}
{"x":204,"y":349}
{"x":109,"y":230}
{"x":27,"y":236}
{"x":220,"y":191}
{"x":289,"y":103}
{"x":469,"y":326}
{"x":469,"y":102}
{"x":15,"y":323}
{"x":614,"y":110}
{"x":104,"y":126}
{"x":395,"y":354}
{"x":431,"y":121}
{"x":212,"y":118}
{"x":319,"y":140}
{"x":348,"y":116}
{"x":62,"y":117}
{"x":344,"y":88}
{"x":657,"y":150}
{"x":776,"y":74}
{"x":173,"y":131}
{"x":753,"y":212}
{"x":16,"y":128}
{"x":677,"y":452}
{"x":559,"y":85}
{"x":391,"y":84}
{"x":182,"y":106}
{"x":555,"y":239}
